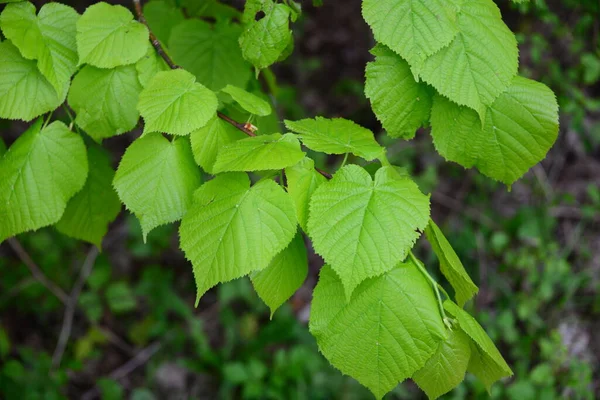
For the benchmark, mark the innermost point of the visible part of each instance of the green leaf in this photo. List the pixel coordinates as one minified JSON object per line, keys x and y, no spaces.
{"x":486,"y":362}
{"x":48,"y":38}
{"x":108,"y":36}
{"x":2,"y":147}
{"x":105,"y":100}
{"x":389,"y":83}
{"x":233,"y":229}
{"x":249,"y":102}
{"x":162,"y":17}
{"x":450,"y":265}
{"x":91,"y":210}
{"x":265,"y":40}
{"x":40,"y":172}
{"x":173,"y":102}
{"x":156,"y":180}
{"x":150,"y":65}
{"x":284,"y":275}
{"x":479,"y":63}
{"x":24,"y":92}
{"x":302,"y":181}
{"x":364,"y":227}
{"x":336,"y":136}
{"x":415,"y":29}
{"x":519,"y":129}
{"x":447,"y":367}
{"x":259,"y":153}
{"x":211,"y":52}
{"x":388,"y":329}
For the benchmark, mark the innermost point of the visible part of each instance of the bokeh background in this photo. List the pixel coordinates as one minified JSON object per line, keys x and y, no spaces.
{"x":533,"y":250}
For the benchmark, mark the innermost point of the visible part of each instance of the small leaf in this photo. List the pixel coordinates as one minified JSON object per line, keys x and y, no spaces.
{"x":363,"y":228}
{"x":284,"y":275}
{"x":91,"y":210}
{"x":450,"y":265}
{"x":302,"y":181}
{"x":447,"y":367}
{"x":173,"y":102}
{"x":259,"y":153}
{"x":336,"y":136}
{"x":108,"y":36}
{"x":233,"y":229}
{"x":384,"y":333}
{"x":249,"y":102}
{"x":156,"y":180}
{"x":40,"y":172}
{"x":162,"y":17}
{"x":150,"y":65}
{"x":105,"y":100}
{"x":519,"y":129}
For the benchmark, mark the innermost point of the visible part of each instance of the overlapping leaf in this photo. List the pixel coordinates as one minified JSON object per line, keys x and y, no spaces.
{"x":40,"y":172}
{"x":233,"y":229}
{"x":364,"y":227}
{"x":248,"y":101}
{"x":302,"y":181}
{"x":150,"y":65}
{"x":387,"y":331}
{"x":162,"y":17}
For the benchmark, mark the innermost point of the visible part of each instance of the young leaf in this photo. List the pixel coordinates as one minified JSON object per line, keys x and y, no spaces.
{"x":156,"y":180}
{"x":284,"y":275}
{"x":258,"y":153}
{"x":108,"y":36}
{"x":105,"y":100}
{"x":91,"y":210}
{"x":210,"y":139}
{"x":162,"y":17}
{"x":40,"y":172}
{"x":479,"y":63}
{"x":415,"y":29}
{"x":336,"y":136}
{"x":173,"y":102}
{"x":150,"y":65}
{"x":265,"y":40}
{"x":48,"y":37}
{"x":447,"y":367}
{"x":211,"y":52}
{"x":24,"y":92}
{"x":388,"y":329}
{"x":389,"y":83}
{"x":302,"y":181}
{"x":249,"y":102}
{"x":450,"y":265}
{"x":486,"y":362}
{"x":519,"y":129}
{"x":233,"y":229}
{"x":364,"y":227}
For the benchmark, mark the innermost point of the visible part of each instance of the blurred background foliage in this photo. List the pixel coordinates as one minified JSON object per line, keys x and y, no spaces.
{"x":534,"y":251}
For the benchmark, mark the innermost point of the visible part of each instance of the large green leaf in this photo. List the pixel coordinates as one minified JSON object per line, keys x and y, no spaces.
{"x":258,"y":153}
{"x":447,"y":367}
{"x":24,"y":92}
{"x":389,"y":84}
{"x":105,"y":100}
{"x":108,"y":36}
{"x":39,"y":173}
{"x":156,"y":180}
{"x":388,"y":329}
{"x":284,"y":275}
{"x":364,"y":227}
{"x":173,"y":102}
{"x":211,"y":52}
{"x":48,"y":38}
{"x":162,"y":16}
{"x":248,"y":101}
{"x":486,"y":362}
{"x":264,"y":41}
{"x":519,"y":129}
{"x":450,"y":265}
{"x":479,"y":63}
{"x":91,"y":210}
{"x":302,"y":181}
{"x":336,"y":136}
{"x":233,"y":229}
{"x":2,"y":147}
{"x":415,"y":29}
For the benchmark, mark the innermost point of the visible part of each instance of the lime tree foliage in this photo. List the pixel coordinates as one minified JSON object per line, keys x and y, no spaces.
{"x":247,"y":196}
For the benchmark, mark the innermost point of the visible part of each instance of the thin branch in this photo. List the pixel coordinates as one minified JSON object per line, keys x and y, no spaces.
{"x":238,"y":125}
